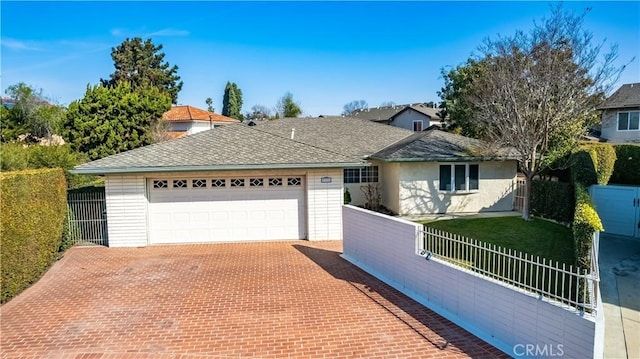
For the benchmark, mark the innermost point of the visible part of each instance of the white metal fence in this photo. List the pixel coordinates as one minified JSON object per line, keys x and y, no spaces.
{"x":559,"y":282}
{"x":87,"y":220}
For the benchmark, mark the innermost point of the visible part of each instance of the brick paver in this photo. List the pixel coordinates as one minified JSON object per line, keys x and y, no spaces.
{"x":232,"y":300}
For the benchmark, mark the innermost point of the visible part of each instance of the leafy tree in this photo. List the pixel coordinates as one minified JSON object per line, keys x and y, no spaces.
{"x":354,"y":106}
{"x":142,"y":65}
{"x":537,"y":92}
{"x":31,"y":113}
{"x":209,"y":103}
{"x":258,"y":112}
{"x":287,"y":107}
{"x":109,"y":120}
{"x":456,"y":109}
{"x":232,"y":101}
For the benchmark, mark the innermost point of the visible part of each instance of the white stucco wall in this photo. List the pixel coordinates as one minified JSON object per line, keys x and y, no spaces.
{"x":405,"y":120}
{"x":390,"y":177}
{"x":419,"y":189}
{"x":505,"y":317}
{"x":127,"y":212}
{"x":610,"y":128}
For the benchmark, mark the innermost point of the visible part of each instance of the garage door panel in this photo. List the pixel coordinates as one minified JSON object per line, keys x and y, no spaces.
{"x":190,"y":215}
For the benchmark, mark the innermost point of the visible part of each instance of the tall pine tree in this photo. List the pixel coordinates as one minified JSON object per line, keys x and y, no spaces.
{"x":232,"y":101}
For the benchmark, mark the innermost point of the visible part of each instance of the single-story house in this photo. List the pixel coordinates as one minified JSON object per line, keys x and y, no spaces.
{"x":285,"y":179}
{"x":414,"y":117}
{"x":621,"y":115}
{"x":185,"y":120}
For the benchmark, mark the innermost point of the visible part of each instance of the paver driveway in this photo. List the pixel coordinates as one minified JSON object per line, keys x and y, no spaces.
{"x":277,"y":299}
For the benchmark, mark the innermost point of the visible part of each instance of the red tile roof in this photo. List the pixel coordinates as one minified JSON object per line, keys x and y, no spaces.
{"x":190,"y":113}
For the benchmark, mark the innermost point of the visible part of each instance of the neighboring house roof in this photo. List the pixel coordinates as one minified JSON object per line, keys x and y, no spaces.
{"x":185,"y":113}
{"x":348,"y":136}
{"x":235,"y":146}
{"x":437,"y":145}
{"x":387,"y":113}
{"x":628,"y":95}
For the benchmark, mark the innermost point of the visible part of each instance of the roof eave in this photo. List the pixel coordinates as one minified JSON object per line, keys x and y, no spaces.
{"x":118,"y":170}
{"x":444,"y":159}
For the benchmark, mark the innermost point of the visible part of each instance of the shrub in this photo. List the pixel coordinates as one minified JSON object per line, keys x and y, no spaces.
{"x":553,"y":200}
{"x":32,"y":216}
{"x":606,"y":159}
{"x":627,"y":166}
{"x":584,"y":162}
{"x":585,"y":222}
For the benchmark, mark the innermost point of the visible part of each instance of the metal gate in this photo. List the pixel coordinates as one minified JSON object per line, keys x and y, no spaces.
{"x":87,"y":219}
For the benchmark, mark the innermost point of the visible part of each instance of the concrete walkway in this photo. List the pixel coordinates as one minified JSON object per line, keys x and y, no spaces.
{"x":620,"y":289}
{"x":432,"y":217}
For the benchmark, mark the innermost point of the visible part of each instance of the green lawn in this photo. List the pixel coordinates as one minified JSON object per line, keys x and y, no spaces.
{"x":538,"y":237}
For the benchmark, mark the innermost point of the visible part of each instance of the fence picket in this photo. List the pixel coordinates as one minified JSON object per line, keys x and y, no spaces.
{"x":558,"y":281}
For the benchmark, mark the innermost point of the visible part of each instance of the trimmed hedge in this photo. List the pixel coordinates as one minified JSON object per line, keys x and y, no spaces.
{"x":585,"y":222}
{"x":552,"y":200}
{"x":584,"y":162}
{"x":593,"y":163}
{"x":606,"y":159}
{"x":32,"y":215}
{"x":627,"y":166}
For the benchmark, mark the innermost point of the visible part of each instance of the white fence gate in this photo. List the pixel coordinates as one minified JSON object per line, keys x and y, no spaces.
{"x":87,"y":216}
{"x":618,"y":208}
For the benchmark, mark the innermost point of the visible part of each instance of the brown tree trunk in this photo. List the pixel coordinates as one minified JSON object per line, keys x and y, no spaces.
{"x":526,"y":208}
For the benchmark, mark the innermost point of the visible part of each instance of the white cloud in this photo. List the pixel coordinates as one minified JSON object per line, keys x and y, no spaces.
{"x":142,"y":33}
{"x":169,"y":32}
{"x":19,"y":45}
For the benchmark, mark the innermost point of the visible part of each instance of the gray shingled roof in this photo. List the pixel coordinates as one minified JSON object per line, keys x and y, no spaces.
{"x":628,"y":95}
{"x":318,"y":142}
{"x":380,"y":114}
{"x":234,"y":146}
{"x":437,"y":145}
{"x":386,"y":113}
{"x":345,"y":135}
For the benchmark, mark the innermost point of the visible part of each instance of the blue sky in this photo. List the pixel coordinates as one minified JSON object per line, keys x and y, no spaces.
{"x":325,"y":53}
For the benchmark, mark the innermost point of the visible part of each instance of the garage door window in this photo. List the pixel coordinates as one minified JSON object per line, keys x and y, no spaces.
{"x":199,"y":183}
{"x":160,"y":184}
{"x":218,"y":183}
{"x":237,"y":182}
{"x":294,"y":181}
{"x":256,"y":182}
{"x":180,"y":183}
{"x":275,"y":182}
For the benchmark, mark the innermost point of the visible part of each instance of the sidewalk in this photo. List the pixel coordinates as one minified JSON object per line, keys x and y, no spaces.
{"x":620,"y":290}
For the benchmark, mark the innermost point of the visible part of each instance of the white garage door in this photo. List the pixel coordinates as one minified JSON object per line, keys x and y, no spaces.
{"x":209,"y":209}
{"x":618,"y":208}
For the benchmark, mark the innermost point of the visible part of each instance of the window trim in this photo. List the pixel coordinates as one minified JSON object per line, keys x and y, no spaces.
{"x":452,"y":178}
{"x":628,"y":112}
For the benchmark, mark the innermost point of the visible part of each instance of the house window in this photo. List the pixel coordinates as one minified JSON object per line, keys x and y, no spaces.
{"x":294,"y":181}
{"x":459,"y":177}
{"x":237,"y":182}
{"x":351,"y":175}
{"x":180,"y":183}
{"x":275,"y":181}
{"x":199,"y":183}
{"x":256,"y":182}
{"x":361,"y":175}
{"x":629,"y":121}
{"x":417,"y":125}
{"x":159,"y":183}
{"x":218,"y":183}
{"x":369,"y":174}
